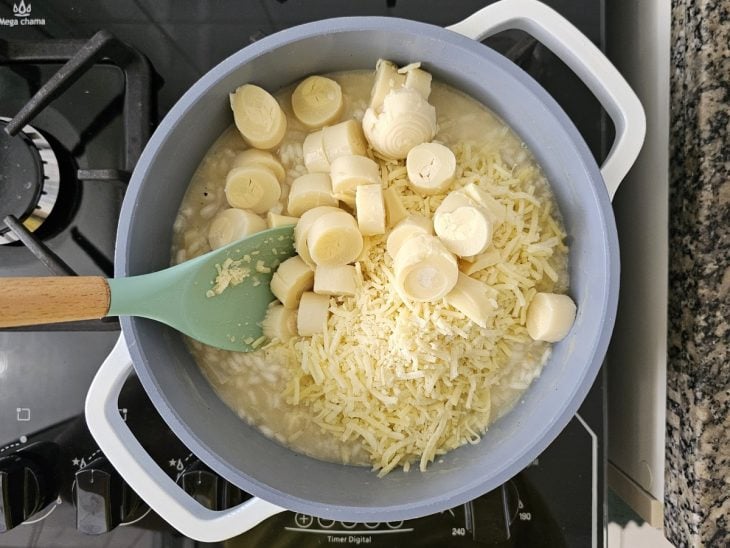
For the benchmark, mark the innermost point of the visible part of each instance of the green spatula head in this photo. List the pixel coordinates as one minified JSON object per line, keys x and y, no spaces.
{"x":219,"y":298}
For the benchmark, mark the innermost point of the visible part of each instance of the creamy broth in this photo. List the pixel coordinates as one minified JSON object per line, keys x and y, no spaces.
{"x":254,"y":384}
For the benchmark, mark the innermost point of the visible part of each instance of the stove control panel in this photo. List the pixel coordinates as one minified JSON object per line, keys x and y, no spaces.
{"x":60,"y":474}
{"x":60,"y":471}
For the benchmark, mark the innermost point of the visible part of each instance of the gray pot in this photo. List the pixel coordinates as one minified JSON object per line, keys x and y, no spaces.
{"x":240,"y":453}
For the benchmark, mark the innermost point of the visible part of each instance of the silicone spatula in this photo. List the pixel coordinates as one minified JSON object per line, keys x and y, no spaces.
{"x":181,"y":296}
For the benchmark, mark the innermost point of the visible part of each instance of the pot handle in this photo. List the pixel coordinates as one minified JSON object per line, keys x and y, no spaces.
{"x":143,"y":475}
{"x":588,"y":63}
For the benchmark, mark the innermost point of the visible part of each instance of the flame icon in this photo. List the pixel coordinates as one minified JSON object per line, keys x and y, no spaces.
{"x":21,"y":10}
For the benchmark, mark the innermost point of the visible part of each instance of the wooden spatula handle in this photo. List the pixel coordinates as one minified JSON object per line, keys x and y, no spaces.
{"x":33,"y":301}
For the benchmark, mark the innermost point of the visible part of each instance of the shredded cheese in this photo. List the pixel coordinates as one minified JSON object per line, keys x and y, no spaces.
{"x":230,"y":273}
{"x":410,"y":381}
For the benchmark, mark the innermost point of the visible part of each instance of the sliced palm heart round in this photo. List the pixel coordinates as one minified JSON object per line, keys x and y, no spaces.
{"x":550,"y":316}
{"x":347,"y":172}
{"x":291,"y":279}
{"x":254,"y":156}
{"x":370,"y":209}
{"x":453,"y":201}
{"x":406,"y":120}
{"x":312,"y":314}
{"x":386,"y":80}
{"x":395,"y":211}
{"x":431,"y":168}
{"x":317,"y":101}
{"x":280,"y":323}
{"x":258,"y":116}
{"x":310,"y":191}
{"x":424,"y":269}
{"x":466,"y":231}
{"x":315,"y":160}
{"x":275,"y":220}
{"x":301,"y":230}
{"x":404,"y":230}
{"x":253,"y":187}
{"x":335,"y":280}
{"x":470,"y":297}
{"x":420,"y":80}
{"x":343,"y":139}
{"x":497,"y":211}
{"x":233,"y":224}
{"x":334,"y":239}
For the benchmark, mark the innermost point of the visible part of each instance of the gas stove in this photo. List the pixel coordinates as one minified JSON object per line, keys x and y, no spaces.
{"x":77,"y":105}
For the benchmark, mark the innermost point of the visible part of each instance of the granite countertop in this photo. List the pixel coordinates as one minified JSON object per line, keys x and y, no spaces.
{"x":697,"y":478}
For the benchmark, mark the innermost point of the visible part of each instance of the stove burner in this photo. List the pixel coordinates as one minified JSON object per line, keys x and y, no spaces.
{"x":29,"y":179}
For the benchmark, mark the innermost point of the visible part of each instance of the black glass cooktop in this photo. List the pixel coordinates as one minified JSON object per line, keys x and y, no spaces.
{"x":558,"y":500}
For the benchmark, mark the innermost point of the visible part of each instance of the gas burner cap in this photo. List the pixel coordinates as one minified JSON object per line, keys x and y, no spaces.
{"x":29,"y":179}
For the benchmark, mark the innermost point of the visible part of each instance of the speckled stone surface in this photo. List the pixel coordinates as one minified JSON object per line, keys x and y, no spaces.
{"x":697,"y":478}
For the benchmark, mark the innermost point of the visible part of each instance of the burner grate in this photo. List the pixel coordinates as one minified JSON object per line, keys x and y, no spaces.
{"x":79,"y":56}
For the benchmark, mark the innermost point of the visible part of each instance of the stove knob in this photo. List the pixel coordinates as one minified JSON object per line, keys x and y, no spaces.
{"x":25,"y":488}
{"x":201,"y":483}
{"x":492,"y":515}
{"x":209,"y":489}
{"x":232,"y":495}
{"x":102,"y":499}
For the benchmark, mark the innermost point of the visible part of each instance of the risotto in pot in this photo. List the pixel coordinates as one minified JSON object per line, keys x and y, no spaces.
{"x":431,"y":272}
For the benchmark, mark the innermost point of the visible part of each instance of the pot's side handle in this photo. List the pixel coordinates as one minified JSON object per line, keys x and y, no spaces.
{"x":141,"y":472}
{"x":588,"y":63}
